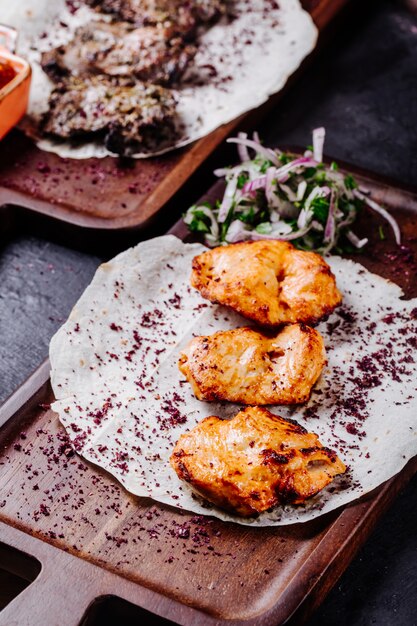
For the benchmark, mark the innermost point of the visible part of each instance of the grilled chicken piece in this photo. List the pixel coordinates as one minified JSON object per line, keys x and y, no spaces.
{"x":254,"y":461}
{"x":250,"y":367}
{"x":129,"y":117}
{"x":179,"y":16}
{"x":120,"y":50}
{"x":270,"y":282}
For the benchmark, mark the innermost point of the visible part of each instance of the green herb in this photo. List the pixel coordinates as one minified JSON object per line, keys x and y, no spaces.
{"x":200,"y":222}
{"x":285,"y":158}
{"x":320,"y":207}
{"x":242,"y":179}
{"x":247,"y":216}
{"x":350,"y":182}
{"x":264,"y":228}
{"x":265,"y":166}
{"x":320,"y":176}
{"x":309,"y":172}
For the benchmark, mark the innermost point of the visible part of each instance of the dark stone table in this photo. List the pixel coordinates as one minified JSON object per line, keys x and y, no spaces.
{"x":363,"y":89}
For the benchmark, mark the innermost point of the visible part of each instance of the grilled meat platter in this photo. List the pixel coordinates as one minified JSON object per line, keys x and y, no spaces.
{"x":204,"y":63}
{"x":108,"y":75}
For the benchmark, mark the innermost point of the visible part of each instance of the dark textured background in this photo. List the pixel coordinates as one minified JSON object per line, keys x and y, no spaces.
{"x":363,"y":89}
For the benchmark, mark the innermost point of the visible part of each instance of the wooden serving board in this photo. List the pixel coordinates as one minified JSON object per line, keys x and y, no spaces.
{"x":110,"y":557}
{"x":110,"y":193}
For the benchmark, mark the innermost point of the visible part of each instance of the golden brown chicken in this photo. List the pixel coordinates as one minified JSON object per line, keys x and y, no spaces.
{"x":250,"y":367}
{"x":254,"y":461}
{"x":270,"y":282}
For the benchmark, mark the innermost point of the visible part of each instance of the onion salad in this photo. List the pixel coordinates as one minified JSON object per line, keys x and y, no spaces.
{"x":278,"y":195}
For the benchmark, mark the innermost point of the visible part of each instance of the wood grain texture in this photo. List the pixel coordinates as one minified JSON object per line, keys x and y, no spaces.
{"x":188,"y":568}
{"x":220,"y":572}
{"x":113,"y":193}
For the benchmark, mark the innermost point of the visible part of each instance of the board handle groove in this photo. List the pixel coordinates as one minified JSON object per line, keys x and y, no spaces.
{"x":53,"y":599}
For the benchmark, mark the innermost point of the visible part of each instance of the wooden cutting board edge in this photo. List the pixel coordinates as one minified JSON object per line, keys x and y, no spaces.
{"x":323,"y":13}
{"x":88,"y":582}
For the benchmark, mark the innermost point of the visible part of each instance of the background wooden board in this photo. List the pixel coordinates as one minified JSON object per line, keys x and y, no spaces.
{"x":111,"y":193}
{"x":164,"y":559}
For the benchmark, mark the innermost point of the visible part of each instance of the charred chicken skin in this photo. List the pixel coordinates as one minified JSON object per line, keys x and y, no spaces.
{"x":254,"y":462}
{"x":269,"y":282}
{"x":251,"y":367}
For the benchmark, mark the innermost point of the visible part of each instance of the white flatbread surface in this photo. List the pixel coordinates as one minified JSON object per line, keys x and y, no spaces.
{"x":124,"y":402}
{"x":242,"y":63}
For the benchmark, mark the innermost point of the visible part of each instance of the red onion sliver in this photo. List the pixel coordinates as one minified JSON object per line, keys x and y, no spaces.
{"x":292,"y":197}
{"x":242,"y":149}
{"x":250,"y":143}
{"x":282,"y":172}
{"x":383,"y":212}
{"x":358,"y":243}
{"x":271,"y":197}
{"x":330,"y":228}
{"x":255,"y":236}
{"x":253,"y":185}
{"x":221,"y":171}
{"x":227,"y":200}
{"x":319,"y":135}
{"x":237,"y":232}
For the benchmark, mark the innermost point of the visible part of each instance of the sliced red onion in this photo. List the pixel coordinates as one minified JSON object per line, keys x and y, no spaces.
{"x":281,"y":174}
{"x":330,"y":228}
{"x":222,"y":171}
{"x":358,"y":243}
{"x":250,"y":143}
{"x":283,"y":171}
{"x":347,"y":221}
{"x":237,"y":169}
{"x":281,"y":228}
{"x":242,"y":149}
{"x":317,"y":226}
{"x":301,"y":189}
{"x":291,"y":195}
{"x":304,"y":218}
{"x":319,"y":135}
{"x":253,"y":185}
{"x":271,"y":196}
{"x":274,"y":216}
{"x":227,"y":171}
{"x":237,"y":232}
{"x":255,"y":137}
{"x":383,"y":212}
{"x":227,"y":199}
{"x":255,"y":236}
{"x":317,"y":192}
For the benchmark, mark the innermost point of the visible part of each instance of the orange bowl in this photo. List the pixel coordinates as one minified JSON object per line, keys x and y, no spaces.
{"x":14,"y":95}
